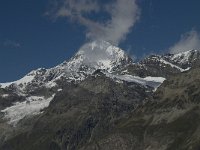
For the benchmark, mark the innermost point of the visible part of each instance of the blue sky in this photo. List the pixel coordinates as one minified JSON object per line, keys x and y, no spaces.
{"x":30,"y":39}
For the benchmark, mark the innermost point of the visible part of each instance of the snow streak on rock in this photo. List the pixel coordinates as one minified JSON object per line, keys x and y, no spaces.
{"x":153,"y":82}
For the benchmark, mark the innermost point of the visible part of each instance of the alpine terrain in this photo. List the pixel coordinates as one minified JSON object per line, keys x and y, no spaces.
{"x":101,"y":99}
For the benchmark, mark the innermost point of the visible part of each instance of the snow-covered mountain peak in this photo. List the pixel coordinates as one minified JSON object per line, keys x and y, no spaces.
{"x":90,"y":57}
{"x":99,"y":55}
{"x":184,"y":57}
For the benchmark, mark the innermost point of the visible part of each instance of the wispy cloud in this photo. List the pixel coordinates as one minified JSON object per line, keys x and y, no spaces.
{"x":188,"y":41}
{"x":11,"y":44}
{"x":123,"y":15}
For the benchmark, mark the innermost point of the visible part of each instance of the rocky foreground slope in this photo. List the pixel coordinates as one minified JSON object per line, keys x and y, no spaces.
{"x":105,"y":103}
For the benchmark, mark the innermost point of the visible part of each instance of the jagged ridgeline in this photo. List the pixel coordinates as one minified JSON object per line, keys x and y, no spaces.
{"x":101,"y":99}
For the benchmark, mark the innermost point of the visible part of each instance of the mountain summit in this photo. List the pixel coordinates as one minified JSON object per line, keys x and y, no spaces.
{"x":99,"y":55}
{"x":90,"y":57}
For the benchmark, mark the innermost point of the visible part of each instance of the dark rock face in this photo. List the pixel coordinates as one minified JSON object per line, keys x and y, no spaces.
{"x":100,"y":114}
{"x":9,"y":98}
{"x":170,"y":121}
{"x":80,"y":114}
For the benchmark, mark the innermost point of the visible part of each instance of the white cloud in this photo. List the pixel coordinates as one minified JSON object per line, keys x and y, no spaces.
{"x":188,"y":41}
{"x":11,"y":44}
{"x":123,"y":16}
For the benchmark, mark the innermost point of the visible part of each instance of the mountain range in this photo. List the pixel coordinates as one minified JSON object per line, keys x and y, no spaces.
{"x":101,"y":99}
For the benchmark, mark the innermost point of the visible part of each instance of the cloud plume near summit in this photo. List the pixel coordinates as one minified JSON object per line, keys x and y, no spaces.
{"x":188,"y":41}
{"x":122,"y":16}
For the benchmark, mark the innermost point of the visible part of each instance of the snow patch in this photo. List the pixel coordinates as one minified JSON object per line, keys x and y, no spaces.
{"x":59,"y":90}
{"x":19,"y":110}
{"x":51,"y":84}
{"x":153,"y":82}
{"x":173,"y":66}
{"x":5,"y":95}
{"x":125,"y":71}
